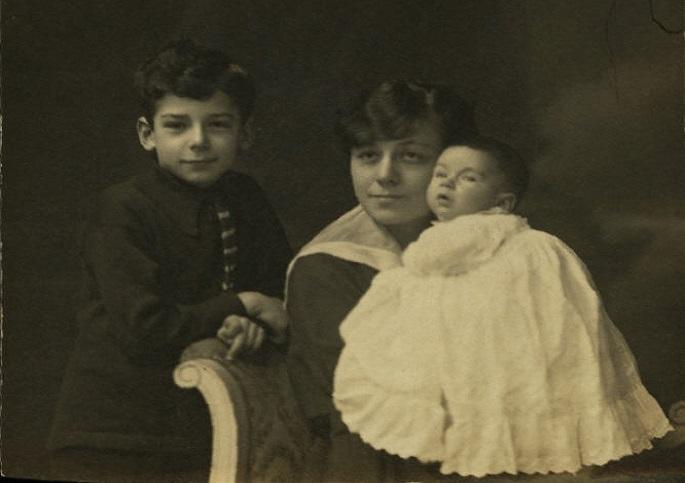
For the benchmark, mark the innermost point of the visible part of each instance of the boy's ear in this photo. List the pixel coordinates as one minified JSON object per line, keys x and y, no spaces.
{"x":247,"y":134}
{"x":507,"y":201}
{"x":146,"y":134}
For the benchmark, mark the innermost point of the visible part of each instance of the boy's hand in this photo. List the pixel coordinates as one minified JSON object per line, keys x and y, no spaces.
{"x":240,"y":334}
{"x":205,"y":349}
{"x":269,"y":310}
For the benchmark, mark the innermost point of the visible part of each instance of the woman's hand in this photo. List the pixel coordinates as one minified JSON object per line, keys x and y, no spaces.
{"x":268,"y":310}
{"x":240,"y":334}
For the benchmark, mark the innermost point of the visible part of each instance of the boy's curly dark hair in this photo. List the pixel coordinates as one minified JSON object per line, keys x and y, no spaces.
{"x":187,"y":69}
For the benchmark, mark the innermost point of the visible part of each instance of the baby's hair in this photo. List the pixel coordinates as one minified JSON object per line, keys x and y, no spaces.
{"x":187,"y":69}
{"x":512,"y":165}
{"x":391,"y":110}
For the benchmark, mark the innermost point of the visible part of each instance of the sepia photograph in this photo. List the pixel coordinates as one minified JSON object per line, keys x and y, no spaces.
{"x":265,"y":241}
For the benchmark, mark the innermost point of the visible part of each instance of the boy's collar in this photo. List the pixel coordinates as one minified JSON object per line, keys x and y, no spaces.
{"x":181,"y":202}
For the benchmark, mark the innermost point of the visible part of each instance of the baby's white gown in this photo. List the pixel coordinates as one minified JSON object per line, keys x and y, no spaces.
{"x":490,"y":351}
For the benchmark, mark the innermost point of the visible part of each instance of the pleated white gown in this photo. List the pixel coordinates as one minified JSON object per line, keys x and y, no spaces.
{"x":490,"y":351}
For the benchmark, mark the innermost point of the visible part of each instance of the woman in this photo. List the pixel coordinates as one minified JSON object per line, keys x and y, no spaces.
{"x":393,"y":134}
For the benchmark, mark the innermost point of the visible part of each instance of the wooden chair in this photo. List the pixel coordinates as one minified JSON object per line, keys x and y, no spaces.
{"x":258,"y":432}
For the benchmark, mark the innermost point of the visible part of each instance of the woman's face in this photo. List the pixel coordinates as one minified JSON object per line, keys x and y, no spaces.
{"x":390,"y":177}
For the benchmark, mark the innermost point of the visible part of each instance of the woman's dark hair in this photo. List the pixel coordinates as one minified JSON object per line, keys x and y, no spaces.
{"x":391,"y":110}
{"x":512,"y":165}
{"x":187,"y":69}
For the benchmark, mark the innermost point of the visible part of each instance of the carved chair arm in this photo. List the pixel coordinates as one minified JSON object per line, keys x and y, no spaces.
{"x":258,"y":431}
{"x":227,"y":412}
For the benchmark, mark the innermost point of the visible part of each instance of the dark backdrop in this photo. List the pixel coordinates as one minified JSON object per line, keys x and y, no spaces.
{"x":590,"y":90}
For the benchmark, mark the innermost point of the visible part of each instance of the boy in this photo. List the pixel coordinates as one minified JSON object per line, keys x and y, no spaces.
{"x":187,"y":251}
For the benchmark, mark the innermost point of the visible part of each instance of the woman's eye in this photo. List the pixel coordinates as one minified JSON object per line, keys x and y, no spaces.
{"x":220,"y":125}
{"x":367,"y":156}
{"x":411,"y":156}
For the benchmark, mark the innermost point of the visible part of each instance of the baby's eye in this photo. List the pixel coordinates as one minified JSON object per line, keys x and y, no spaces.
{"x":439,"y":174}
{"x":470,"y":178}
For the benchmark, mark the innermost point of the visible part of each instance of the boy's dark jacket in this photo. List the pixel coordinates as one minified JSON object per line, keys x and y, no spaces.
{"x":153,"y":268}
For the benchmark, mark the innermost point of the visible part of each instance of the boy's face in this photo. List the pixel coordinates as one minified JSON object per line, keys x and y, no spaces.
{"x":195,"y":140}
{"x":466,"y":181}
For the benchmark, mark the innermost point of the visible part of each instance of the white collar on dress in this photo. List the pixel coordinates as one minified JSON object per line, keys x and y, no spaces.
{"x":356,"y":237}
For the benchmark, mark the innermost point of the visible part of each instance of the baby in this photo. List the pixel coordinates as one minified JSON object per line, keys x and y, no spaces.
{"x":489,"y":350}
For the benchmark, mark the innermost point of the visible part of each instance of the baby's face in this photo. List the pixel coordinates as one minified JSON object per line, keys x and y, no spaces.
{"x":465,"y":181}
